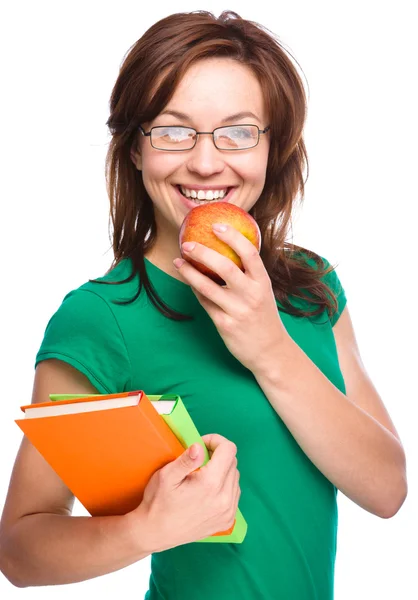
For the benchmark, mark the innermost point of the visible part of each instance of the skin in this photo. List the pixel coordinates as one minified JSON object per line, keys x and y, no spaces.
{"x":210,"y":91}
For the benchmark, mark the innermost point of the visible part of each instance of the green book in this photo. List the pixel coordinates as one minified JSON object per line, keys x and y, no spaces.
{"x":181,"y":423}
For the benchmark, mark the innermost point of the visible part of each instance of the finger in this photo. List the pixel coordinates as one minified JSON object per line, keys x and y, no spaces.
{"x":249,"y":254}
{"x":213,"y":440}
{"x":208,"y":289}
{"x":231,"y":481}
{"x":221,"y":264}
{"x":238,"y":490}
{"x":205,"y":302}
{"x":232,"y":488}
{"x":210,"y":307}
{"x":223,"y":457}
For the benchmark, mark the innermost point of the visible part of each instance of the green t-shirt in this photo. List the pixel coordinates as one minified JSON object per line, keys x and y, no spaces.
{"x":290,"y":507}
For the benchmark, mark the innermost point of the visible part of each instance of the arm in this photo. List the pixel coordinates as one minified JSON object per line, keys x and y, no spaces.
{"x":40,"y":542}
{"x":351,"y":439}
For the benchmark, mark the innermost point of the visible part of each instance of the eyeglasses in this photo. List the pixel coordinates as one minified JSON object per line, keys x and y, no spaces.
{"x":232,"y":137}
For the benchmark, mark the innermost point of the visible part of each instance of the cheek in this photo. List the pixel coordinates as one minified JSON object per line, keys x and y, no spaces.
{"x":157,"y":166}
{"x":252,"y":170}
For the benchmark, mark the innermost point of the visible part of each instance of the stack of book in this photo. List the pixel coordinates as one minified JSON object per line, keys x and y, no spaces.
{"x":106,"y":447}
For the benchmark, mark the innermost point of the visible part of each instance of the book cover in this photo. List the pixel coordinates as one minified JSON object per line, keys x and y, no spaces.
{"x":106,"y":456}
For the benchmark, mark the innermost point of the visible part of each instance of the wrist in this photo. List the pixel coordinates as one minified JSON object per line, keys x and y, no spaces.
{"x":271,"y":367}
{"x":139,"y":533}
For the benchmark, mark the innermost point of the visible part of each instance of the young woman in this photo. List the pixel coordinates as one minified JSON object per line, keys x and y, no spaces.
{"x":211,"y":109}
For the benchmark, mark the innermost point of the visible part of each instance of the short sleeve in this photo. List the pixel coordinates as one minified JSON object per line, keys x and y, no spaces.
{"x":334,"y":283}
{"x":85,"y":334}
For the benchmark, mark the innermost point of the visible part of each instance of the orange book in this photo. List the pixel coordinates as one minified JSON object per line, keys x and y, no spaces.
{"x":105,"y":448}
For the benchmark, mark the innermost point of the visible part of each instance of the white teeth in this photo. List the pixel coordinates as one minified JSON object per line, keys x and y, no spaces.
{"x":204,"y":194}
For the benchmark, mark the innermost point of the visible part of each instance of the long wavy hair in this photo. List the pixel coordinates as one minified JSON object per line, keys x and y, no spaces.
{"x":158,"y":61}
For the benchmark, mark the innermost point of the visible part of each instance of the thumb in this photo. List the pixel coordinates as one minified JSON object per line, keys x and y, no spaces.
{"x":189,"y":461}
{"x":194,"y":452}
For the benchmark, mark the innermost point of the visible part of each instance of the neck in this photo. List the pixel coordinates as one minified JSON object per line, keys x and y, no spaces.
{"x":163,"y":259}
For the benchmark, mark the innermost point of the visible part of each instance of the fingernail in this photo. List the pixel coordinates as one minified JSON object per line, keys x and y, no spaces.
{"x":178,"y":262}
{"x":193,"y":451}
{"x":188,"y":246}
{"x":219,"y":227}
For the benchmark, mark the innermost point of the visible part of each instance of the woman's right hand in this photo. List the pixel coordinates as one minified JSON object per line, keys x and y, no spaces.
{"x":182,"y":505}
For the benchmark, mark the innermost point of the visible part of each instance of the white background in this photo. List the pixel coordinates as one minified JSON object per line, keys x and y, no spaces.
{"x":59,"y":63}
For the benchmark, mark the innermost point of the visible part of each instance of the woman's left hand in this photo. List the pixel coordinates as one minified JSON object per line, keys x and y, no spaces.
{"x":244,"y":311}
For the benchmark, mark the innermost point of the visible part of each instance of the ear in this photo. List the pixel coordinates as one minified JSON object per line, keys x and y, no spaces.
{"x":136,"y":158}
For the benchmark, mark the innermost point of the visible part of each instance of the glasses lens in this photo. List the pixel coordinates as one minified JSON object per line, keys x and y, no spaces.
{"x":237,"y":137}
{"x":173,"y":138}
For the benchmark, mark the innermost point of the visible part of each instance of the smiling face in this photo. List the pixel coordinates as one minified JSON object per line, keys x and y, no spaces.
{"x":209,"y":94}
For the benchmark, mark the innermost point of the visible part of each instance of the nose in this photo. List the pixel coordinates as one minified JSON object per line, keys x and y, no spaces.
{"x":205,"y":159}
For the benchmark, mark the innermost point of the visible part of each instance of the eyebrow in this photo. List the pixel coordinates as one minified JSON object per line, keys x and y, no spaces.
{"x":235,"y":117}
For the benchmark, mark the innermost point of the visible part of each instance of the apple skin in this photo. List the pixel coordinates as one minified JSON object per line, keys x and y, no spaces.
{"x":197,"y":227}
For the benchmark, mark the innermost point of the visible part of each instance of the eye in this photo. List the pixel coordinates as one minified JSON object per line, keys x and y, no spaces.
{"x":240,"y":132}
{"x":175,"y":133}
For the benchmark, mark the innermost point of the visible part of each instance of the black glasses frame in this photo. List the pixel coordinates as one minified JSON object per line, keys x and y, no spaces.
{"x":212,"y":133}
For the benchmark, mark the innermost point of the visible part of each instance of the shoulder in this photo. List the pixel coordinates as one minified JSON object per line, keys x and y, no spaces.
{"x":100,"y":296}
{"x":117,"y":282}
{"x":328,"y":275}
{"x":85,"y":331}
{"x":320,"y":263}
{"x":309,"y":257}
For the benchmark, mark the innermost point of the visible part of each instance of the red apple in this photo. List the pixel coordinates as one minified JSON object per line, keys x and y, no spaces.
{"x":197,"y":227}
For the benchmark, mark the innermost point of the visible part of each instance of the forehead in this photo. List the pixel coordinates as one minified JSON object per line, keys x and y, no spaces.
{"x":214,"y":88}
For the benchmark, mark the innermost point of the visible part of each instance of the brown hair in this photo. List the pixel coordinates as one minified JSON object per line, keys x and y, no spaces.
{"x":170,"y":47}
